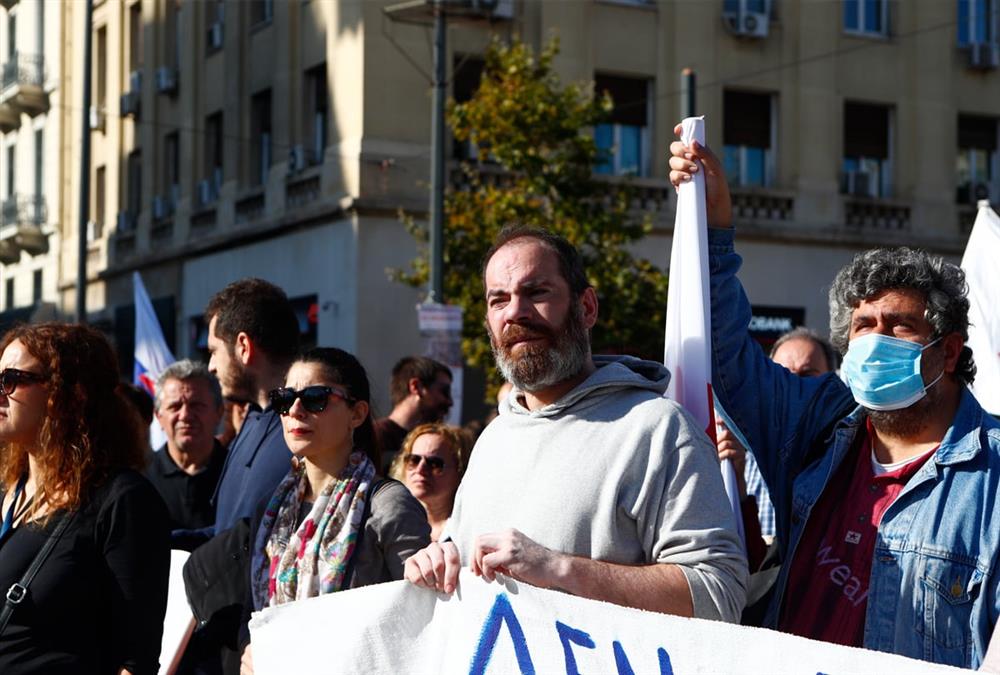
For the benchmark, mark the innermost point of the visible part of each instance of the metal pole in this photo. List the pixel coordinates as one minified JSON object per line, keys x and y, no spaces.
{"x":81,"y":265}
{"x":688,"y":108}
{"x":435,"y":290}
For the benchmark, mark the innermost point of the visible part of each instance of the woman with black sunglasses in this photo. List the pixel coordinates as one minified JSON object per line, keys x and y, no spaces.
{"x":430,"y":464}
{"x":75,"y":509}
{"x":332,"y":523}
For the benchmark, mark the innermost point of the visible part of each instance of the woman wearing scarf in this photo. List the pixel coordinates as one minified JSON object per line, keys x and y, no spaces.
{"x":331,"y":524}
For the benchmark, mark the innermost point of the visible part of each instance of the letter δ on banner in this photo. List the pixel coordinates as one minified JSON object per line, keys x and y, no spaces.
{"x":515,"y":628}
{"x":980,"y":264}
{"x":687,"y":349}
{"x":441,"y":330}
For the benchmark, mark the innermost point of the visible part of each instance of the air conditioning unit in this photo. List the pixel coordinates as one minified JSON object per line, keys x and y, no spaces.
{"x":126,"y":222}
{"x":859,"y":184}
{"x":166,"y":80}
{"x":984,"y":55}
{"x":97,"y":118}
{"x":297,"y":159}
{"x":208,"y":193}
{"x":215,"y":35}
{"x":494,"y":9}
{"x":129,"y":106}
{"x":135,"y":81}
{"x":747,"y":24}
{"x":163,"y":207}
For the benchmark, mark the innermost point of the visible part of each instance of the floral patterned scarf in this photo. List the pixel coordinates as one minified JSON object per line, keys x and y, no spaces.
{"x":311,"y":559}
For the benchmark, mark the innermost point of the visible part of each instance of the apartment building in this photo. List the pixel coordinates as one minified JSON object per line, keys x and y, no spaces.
{"x":280,"y":140}
{"x":32,"y":119}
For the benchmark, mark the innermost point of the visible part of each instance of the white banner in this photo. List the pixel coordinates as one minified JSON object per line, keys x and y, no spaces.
{"x":516,"y":628}
{"x":980,"y":264}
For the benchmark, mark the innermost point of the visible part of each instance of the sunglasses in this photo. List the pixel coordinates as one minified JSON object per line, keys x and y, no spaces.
{"x":435,"y":464}
{"x":11,"y":377}
{"x":314,"y":398}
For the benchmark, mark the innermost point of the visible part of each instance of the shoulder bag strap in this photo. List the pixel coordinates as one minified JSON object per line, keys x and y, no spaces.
{"x":349,"y":574}
{"x":18,"y":591}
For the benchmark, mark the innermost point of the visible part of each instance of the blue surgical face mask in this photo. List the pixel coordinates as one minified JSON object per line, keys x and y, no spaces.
{"x":884,"y":372}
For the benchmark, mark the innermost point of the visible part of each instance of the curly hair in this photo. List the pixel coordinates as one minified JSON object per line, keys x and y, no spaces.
{"x":453,"y":435}
{"x":941,"y":283}
{"x":89,"y":429}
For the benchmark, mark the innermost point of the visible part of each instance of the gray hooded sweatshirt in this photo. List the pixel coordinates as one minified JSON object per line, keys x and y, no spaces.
{"x":614,"y":472}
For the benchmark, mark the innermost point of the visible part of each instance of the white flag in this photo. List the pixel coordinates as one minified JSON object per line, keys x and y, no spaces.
{"x":980,"y":264}
{"x":687,"y":351}
{"x":151,"y":352}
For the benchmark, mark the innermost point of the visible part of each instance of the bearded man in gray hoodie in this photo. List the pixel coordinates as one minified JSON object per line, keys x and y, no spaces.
{"x":589,"y":481}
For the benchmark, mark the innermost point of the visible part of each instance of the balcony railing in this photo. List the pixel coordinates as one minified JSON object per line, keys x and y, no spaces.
{"x":22,"y":78}
{"x":21,"y":220}
{"x":876,"y":214}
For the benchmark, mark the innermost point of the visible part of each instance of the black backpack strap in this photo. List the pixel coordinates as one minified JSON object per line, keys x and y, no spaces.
{"x":365,"y":514}
{"x":19,"y":591}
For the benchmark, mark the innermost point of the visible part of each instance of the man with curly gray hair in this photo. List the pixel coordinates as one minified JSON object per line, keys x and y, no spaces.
{"x":884,"y":487}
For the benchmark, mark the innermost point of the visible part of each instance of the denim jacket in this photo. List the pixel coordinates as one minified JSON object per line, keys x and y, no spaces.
{"x":933,"y":592}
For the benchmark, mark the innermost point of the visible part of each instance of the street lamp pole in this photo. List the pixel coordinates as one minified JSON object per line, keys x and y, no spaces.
{"x":81,"y":264}
{"x":435,"y":291}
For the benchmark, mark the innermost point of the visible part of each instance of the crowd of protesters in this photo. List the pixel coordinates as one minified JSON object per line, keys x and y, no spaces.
{"x":869,"y":494}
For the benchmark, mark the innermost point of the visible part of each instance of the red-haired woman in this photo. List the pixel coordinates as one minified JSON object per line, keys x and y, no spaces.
{"x":68,"y":447}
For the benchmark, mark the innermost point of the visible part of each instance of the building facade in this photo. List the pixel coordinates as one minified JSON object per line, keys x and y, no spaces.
{"x":32,"y":125}
{"x":281,"y":139}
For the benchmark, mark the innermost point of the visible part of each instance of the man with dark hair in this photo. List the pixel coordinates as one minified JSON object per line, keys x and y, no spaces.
{"x":253,"y":336}
{"x":884,"y":487}
{"x":421,"y":394}
{"x":589,"y":481}
{"x":186,"y":469}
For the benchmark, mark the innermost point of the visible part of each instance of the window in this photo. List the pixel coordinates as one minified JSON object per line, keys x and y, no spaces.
{"x":260,"y":133}
{"x":97,"y":204}
{"x":135,"y":36}
{"x":134,"y":173}
{"x":624,"y":140}
{"x":743,"y":6}
{"x":214,"y":20}
{"x":101,"y":76}
{"x":11,"y":35}
{"x":9,"y":293}
{"x":867,"y":163}
{"x":977,"y":167}
{"x":213,"y":148}
{"x":171,"y":166}
{"x":261,"y":11}
{"x":748,"y":136}
{"x":317,"y":113}
{"x":39,"y":162}
{"x":11,"y":170}
{"x":36,"y":287}
{"x":867,"y":17}
{"x":977,"y":21}
{"x":468,"y":71}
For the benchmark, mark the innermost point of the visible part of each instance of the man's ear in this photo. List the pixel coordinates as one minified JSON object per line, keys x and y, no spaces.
{"x":589,"y":306}
{"x":952,"y":345}
{"x":243,"y":348}
{"x":413,"y":386}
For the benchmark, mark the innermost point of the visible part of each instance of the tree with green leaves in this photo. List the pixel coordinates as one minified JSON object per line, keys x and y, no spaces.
{"x":536,"y":137}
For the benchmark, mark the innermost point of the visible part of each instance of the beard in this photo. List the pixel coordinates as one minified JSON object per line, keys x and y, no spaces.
{"x":237,"y":383}
{"x":910,"y":421}
{"x":559,"y":354}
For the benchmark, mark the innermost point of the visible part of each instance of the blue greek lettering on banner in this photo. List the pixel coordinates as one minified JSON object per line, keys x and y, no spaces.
{"x":569,"y":636}
{"x":501,"y":613}
{"x":621,"y":660}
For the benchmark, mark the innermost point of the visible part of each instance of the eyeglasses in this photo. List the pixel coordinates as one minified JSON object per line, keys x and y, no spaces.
{"x":435,"y":464}
{"x":11,"y":377}
{"x":314,"y":398}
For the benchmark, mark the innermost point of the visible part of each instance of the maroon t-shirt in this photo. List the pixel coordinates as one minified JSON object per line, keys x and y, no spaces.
{"x":827,"y":593}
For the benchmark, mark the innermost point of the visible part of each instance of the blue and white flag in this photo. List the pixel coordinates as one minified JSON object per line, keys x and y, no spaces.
{"x":687,"y":351}
{"x":151,"y":352}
